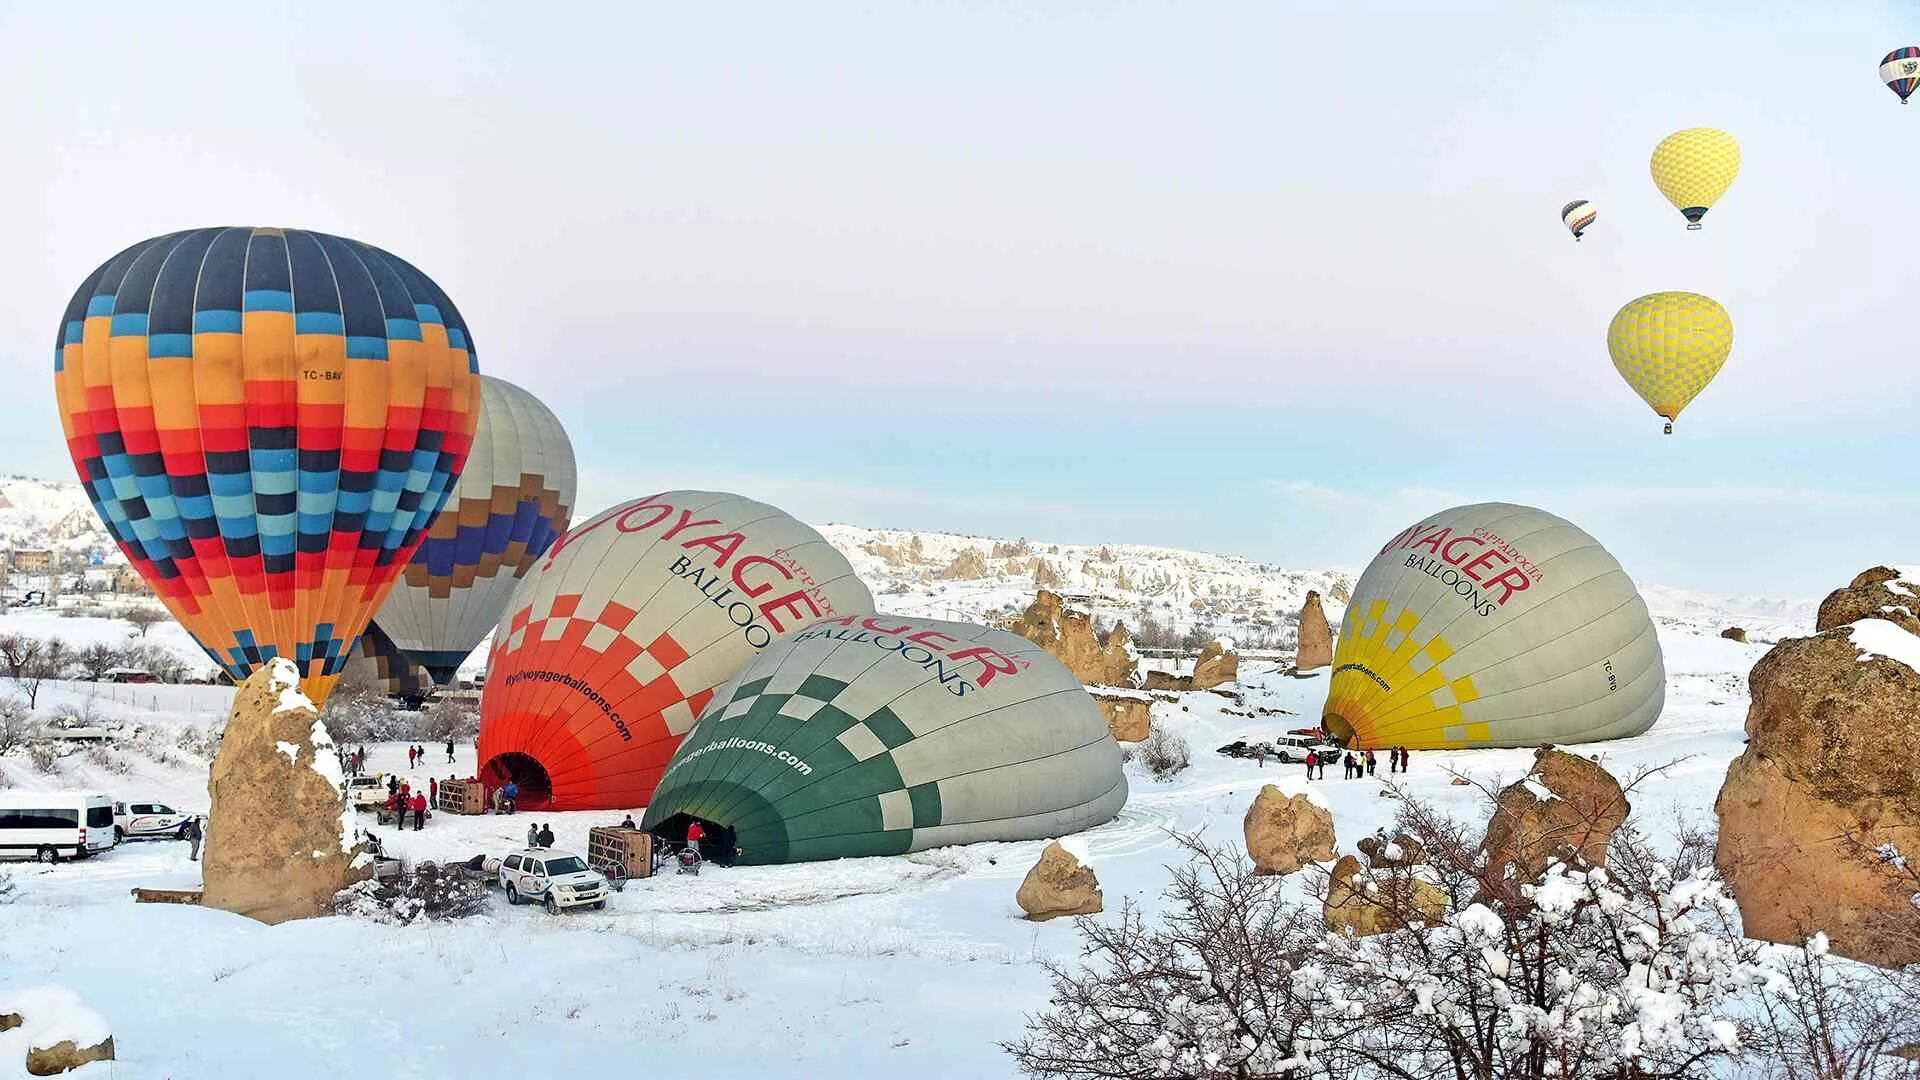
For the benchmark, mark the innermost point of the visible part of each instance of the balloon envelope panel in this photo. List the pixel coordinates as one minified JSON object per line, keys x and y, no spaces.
{"x":384,"y":665}
{"x":877,"y":735}
{"x":1668,"y":346}
{"x":267,"y":420}
{"x":514,"y":498}
{"x":1693,"y":168}
{"x":1494,"y":625}
{"x":612,"y":645}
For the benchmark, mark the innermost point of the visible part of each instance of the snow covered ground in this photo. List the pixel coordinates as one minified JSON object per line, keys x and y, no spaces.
{"x":913,"y":965}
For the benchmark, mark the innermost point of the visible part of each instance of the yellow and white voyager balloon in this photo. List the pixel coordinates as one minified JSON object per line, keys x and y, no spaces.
{"x":1693,"y":168}
{"x":1668,"y":346}
{"x":1493,"y":625}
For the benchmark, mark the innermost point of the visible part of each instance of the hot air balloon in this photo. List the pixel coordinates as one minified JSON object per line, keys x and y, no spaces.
{"x":1576,"y":216}
{"x":1493,"y":625}
{"x":1693,"y":168}
{"x":266,"y":420}
{"x":879,"y":734}
{"x":514,"y":497}
{"x":1669,"y":346}
{"x":380,"y":664}
{"x":612,"y":645}
{"x":1900,"y":70}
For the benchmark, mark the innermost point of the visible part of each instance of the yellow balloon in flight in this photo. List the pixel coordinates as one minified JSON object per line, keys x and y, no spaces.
{"x":1693,"y":168}
{"x":1669,"y":346}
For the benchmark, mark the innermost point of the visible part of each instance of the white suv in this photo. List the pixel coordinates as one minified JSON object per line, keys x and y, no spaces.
{"x":147,"y":819}
{"x":1294,"y":748}
{"x":556,"y":878}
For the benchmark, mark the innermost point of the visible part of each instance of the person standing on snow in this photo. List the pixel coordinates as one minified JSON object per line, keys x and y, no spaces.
{"x":449,"y":751}
{"x":533,"y":835}
{"x":191,"y":833}
{"x":546,"y":837}
{"x":696,"y":831}
{"x":419,"y":811}
{"x":1369,"y":761}
{"x":1312,"y":760}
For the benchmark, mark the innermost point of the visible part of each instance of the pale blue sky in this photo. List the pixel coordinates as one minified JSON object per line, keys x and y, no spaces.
{"x":1270,"y":278}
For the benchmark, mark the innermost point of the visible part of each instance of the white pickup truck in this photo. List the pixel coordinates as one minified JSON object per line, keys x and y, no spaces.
{"x":557,"y":879}
{"x":366,"y":792}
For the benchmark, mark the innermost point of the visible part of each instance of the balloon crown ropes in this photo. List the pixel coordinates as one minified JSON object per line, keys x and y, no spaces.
{"x":267,"y":420}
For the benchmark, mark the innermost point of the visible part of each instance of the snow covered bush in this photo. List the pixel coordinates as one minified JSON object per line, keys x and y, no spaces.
{"x":17,"y":725}
{"x":106,"y":757}
{"x":1826,"y":1018}
{"x":448,"y":718}
{"x":45,"y":756}
{"x":1627,"y":972}
{"x":428,"y":891}
{"x":1164,"y":753}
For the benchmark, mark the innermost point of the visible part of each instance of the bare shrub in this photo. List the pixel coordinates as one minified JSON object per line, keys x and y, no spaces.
{"x":144,"y":618}
{"x":45,"y":757}
{"x":449,"y":718}
{"x":1164,"y":753}
{"x":106,"y":757}
{"x":17,"y":725}
{"x":1631,"y":972}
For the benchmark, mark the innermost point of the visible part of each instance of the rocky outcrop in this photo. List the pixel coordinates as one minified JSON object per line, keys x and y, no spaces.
{"x":1362,"y":902}
{"x":1285,"y":833}
{"x":1879,"y":593}
{"x":1566,"y":809}
{"x":1167,"y":680}
{"x":1828,"y":775}
{"x":1316,"y":637}
{"x":1217,"y":665}
{"x":1058,"y":885}
{"x":280,"y":838}
{"x":1129,"y":713}
{"x":1068,"y":636}
{"x":1735,"y":633}
{"x":48,"y":1031}
{"x":1385,"y":854}
{"x":969,"y":565}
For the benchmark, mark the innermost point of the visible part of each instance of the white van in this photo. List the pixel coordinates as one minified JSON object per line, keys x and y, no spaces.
{"x":54,"y":825}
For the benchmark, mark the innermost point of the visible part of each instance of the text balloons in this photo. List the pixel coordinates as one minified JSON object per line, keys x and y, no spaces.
{"x":1493,"y":625}
{"x":612,"y":645}
{"x":513,"y":499}
{"x":266,"y":420}
{"x":877,"y":735}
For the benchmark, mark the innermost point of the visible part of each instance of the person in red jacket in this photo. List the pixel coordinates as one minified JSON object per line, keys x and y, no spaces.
{"x":694,"y":832}
{"x":433,"y":790}
{"x":1313,"y":759}
{"x":419,"y":810}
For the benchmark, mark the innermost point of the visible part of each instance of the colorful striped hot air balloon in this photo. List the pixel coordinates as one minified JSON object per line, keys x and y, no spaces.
{"x":1493,"y":625}
{"x":879,"y":735}
{"x":614,"y":643}
{"x":514,"y":497}
{"x":1693,"y":168}
{"x":1576,"y":216}
{"x":1900,"y":70}
{"x":267,"y":420}
{"x":1668,"y":346}
{"x":379,"y":664}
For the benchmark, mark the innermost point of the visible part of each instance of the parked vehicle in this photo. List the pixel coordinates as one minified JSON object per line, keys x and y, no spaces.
{"x":1294,"y":748}
{"x":143,"y":819}
{"x":557,"y":879}
{"x":367,"y":792}
{"x":54,"y":825}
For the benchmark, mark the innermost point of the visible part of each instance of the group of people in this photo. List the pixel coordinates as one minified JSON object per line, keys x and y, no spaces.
{"x":402,"y":798}
{"x":1355,"y":764}
{"x":539,"y":836}
{"x":505,"y":798}
{"x":417,"y":755}
{"x":354,"y":761}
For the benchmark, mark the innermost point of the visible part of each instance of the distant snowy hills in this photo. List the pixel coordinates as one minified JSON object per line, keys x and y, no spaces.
{"x":1163,"y":592}
{"x":45,"y":513}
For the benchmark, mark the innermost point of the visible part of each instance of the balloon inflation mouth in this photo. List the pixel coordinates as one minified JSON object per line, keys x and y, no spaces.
{"x":536,"y":787}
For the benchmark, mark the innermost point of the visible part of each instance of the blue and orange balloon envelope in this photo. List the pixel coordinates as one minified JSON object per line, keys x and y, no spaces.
{"x":267,"y":420}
